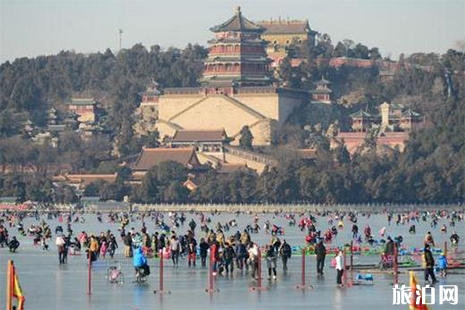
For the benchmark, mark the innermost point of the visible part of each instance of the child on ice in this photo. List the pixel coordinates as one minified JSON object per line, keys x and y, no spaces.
{"x":442,"y":264}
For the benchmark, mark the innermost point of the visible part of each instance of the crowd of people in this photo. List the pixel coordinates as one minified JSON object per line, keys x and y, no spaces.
{"x":223,"y":245}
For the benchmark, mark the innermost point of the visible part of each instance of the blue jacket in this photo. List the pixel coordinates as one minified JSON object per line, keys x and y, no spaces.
{"x":442,"y":262}
{"x":138,"y":258}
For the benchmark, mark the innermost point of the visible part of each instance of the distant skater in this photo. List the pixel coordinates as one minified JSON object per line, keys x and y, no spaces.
{"x":429,"y":264}
{"x":320,"y":251}
{"x":285,"y":251}
{"x":60,"y":243}
{"x":339,"y":269}
{"x":13,"y":244}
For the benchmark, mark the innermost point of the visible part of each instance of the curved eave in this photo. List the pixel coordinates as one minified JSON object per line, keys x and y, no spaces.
{"x":321,"y":91}
{"x":232,"y":59}
{"x":226,"y":28}
{"x":237,"y":41}
{"x":238,"y":23}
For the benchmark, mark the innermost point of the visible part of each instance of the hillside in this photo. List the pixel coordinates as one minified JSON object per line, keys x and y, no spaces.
{"x":430,"y":170}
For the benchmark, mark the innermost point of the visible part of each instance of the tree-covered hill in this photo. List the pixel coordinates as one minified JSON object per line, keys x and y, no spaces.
{"x":30,"y":86}
{"x":431,"y":169}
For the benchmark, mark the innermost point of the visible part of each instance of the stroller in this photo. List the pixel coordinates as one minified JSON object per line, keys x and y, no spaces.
{"x":115,"y":275}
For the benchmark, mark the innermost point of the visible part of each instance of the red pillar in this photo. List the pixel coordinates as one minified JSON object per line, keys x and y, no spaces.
{"x":89,"y":275}
{"x":351,"y":255}
{"x":351,"y":282}
{"x":210,"y":288}
{"x":259,"y":269}
{"x":161,"y":280}
{"x":344,"y":275}
{"x":303,"y":267}
{"x":303,"y":285}
{"x":259,"y":286}
{"x":396,"y":266}
{"x":161,"y":271}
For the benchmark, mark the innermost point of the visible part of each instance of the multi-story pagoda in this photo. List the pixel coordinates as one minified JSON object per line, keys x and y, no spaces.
{"x":236,"y":90}
{"x":237,"y":55}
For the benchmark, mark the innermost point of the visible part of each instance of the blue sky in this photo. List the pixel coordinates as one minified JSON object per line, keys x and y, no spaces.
{"x":43,"y":27}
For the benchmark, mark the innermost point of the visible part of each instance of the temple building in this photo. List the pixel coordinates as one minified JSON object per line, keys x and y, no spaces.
{"x":281,"y":34}
{"x":150,"y":98}
{"x":322,"y":92}
{"x":146,"y":114}
{"x":80,"y":181}
{"x":85,"y":108}
{"x":362,"y":120}
{"x":201,"y":140}
{"x":236,"y":90}
{"x":393,"y":125}
{"x":391,"y":117}
{"x":236,"y":56}
{"x":150,"y":157}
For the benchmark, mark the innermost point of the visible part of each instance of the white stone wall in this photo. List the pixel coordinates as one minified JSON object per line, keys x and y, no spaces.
{"x":263,"y":113}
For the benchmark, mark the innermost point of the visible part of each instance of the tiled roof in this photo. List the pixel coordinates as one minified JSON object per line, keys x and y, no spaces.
{"x":238,"y":58}
{"x":321,"y":91}
{"x":284,"y":27}
{"x":213,"y":80}
{"x":323,"y":81}
{"x":410,"y":113}
{"x":83,"y":101}
{"x":150,"y":92}
{"x":360,"y":114}
{"x":307,"y":153}
{"x":86,"y":179}
{"x":396,"y":106}
{"x":198,"y":135}
{"x":190,"y":185}
{"x":150,"y":157}
{"x":237,"y":23}
{"x":56,"y":128}
{"x":237,"y":40}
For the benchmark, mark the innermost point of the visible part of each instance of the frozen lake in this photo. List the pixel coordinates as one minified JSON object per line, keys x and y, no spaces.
{"x":47,"y":285}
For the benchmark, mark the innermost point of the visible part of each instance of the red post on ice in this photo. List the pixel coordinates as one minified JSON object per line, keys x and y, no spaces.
{"x":351,"y":255}
{"x":89,"y":275}
{"x":259,"y":269}
{"x":161,"y":280}
{"x":259,"y":286}
{"x":210,"y":288}
{"x":445,"y":248}
{"x":161,"y":270}
{"x":303,"y":285}
{"x":396,"y":266}
{"x":351,"y":282}
{"x":344,"y":274}
{"x":303,"y":267}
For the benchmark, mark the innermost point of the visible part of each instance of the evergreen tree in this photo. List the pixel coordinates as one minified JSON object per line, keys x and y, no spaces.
{"x":246,"y":138}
